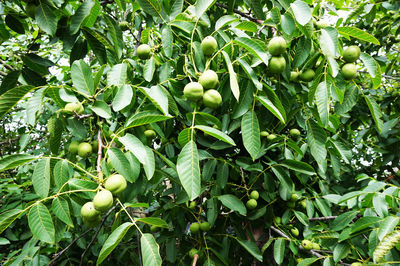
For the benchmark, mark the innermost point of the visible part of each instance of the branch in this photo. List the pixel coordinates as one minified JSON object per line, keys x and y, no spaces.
{"x":258,"y":21}
{"x":196,"y":257}
{"x":95,"y":235}
{"x":322,"y":218}
{"x":383,"y":75}
{"x":57,"y":255}
{"x":6,"y":65}
{"x":99,"y":153}
{"x":280,"y":232}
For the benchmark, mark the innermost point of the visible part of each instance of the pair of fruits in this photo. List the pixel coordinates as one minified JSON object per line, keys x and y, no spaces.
{"x":143,"y":51}
{"x":270,"y":137}
{"x":83,"y":149}
{"x":350,"y":55}
{"x":196,"y":227}
{"x":305,"y":76}
{"x":102,"y":202}
{"x":276,"y":47}
{"x":75,"y":107}
{"x":307,"y":244}
{"x":252,"y":202}
{"x":293,"y":199}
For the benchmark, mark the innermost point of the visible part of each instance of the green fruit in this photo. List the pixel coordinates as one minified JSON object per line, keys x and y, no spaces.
{"x":212,"y":99}
{"x":84,"y":149}
{"x":95,"y":222}
{"x":291,"y":204}
{"x":205,"y":226}
{"x":307,"y":244}
{"x":277,"y":220}
{"x":294,"y":132}
{"x":277,"y":46}
{"x":254,"y":195}
{"x":88,"y":211}
{"x":143,"y":51}
{"x":295,"y":197}
{"x":316,"y":246}
{"x":264,"y":134}
{"x":115,"y":184}
{"x":356,"y":264}
{"x":294,"y":76}
{"x":103,"y":200}
{"x":271,"y":137}
{"x":150,"y":134}
{"x":73,"y":147}
{"x":154,"y":229}
{"x":349,"y":71}
{"x":251,"y":204}
{"x":192,"y":205}
{"x":307,"y":75}
{"x":124,"y":25}
{"x":193,"y":252}
{"x":209,"y":45}
{"x":95,"y":145}
{"x":295,"y":231}
{"x":303,"y":203}
{"x":194,"y":228}
{"x":30,"y":10}
{"x":74,"y":107}
{"x":209,"y":79}
{"x":277,"y":64}
{"x":351,"y":54}
{"x":193,"y":91}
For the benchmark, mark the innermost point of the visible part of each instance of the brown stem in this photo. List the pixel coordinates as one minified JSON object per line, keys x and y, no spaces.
{"x":322,"y":218}
{"x":259,"y":21}
{"x":195,"y":258}
{"x":6,"y":65}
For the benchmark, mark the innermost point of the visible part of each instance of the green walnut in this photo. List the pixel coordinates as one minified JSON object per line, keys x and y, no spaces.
{"x":316,"y":246}
{"x":271,"y":137}
{"x":124,"y":25}
{"x":193,"y":91}
{"x":295,"y":197}
{"x":143,"y":51}
{"x":212,"y":99}
{"x":209,"y":45}
{"x":351,"y":54}
{"x":294,"y":132}
{"x":150,"y":134}
{"x":194,"y":228}
{"x":205,"y":226}
{"x":209,"y":79}
{"x":192,"y":205}
{"x":294,"y":231}
{"x":277,"y":46}
{"x":356,"y":264}
{"x":115,"y":184}
{"x":349,"y":71}
{"x":307,"y":244}
{"x":84,"y":149}
{"x":307,"y":75}
{"x":73,"y":147}
{"x":74,"y":107}
{"x":294,"y":76}
{"x":264,"y":134}
{"x":251,"y":204}
{"x":277,"y":64}
{"x":254,"y":195}
{"x":88,"y":211}
{"x":277,"y":220}
{"x":103,"y":200}
{"x":95,"y":145}
{"x":193,"y":252}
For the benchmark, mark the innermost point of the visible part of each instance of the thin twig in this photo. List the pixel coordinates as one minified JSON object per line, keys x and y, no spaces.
{"x":95,"y":235}
{"x":280,"y":232}
{"x":139,"y":248}
{"x":383,"y":75}
{"x":322,"y":218}
{"x":259,"y":21}
{"x":195,"y":258}
{"x":99,"y":153}
{"x":6,"y":65}
{"x":57,"y":255}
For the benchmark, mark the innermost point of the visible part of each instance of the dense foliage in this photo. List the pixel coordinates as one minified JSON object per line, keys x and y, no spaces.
{"x":247,"y":132}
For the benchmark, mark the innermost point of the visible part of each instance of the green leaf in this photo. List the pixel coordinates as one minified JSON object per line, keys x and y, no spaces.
{"x":167,"y":38}
{"x":302,"y":12}
{"x":343,"y":220}
{"x":257,"y":8}
{"x":323,"y":103}
{"x":328,"y":41}
{"x":254,"y":47}
{"x":233,"y":203}
{"x":288,"y":24}
{"x":316,"y":138}
{"x":341,"y":250}
{"x":97,"y":46}
{"x":150,"y":250}
{"x":202,"y":6}
{"x":10,"y":81}
{"x":113,"y":240}
{"x":283,"y":177}
{"x":217,"y":134}
{"x":341,"y":148}
{"x":279,"y":250}
{"x":189,"y":169}
{"x":232,"y":76}
{"x":46,"y":18}
{"x":11,"y":97}
{"x":101,"y":109}
{"x":41,"y":177}
{"x":277,"y":111}
{"x":251,"y":247}
{"x":60,"y":208}
{"x":157,"y":96}
{"x":176,"y":8}
{"x":387,"y":226}
{"x":185,"y":136}
{"x":370,"y":64}
{"x":123,"y":97}
{"x":153,"y":221}
{"x":41,"y":224}
{"x":386,"y":245}
{"x":81,"y":13}
{"x":151,"y":7}
{"x":144,"y":118}
{"x":8,"y":217}
{"x":82,"y":79}
{"x":364,"y":222}
{"x":134,"y":165}
{"x":117,"y":75}
{"x":251,"y":134}
{"x":14,"y":160}
{"x":375,"y":111}
{"x":358,"y":34}
{"x":120,"y":162}
{"x":298,"y":166}
{"x":301,"y":217}
{"x":250,"y":73}
{"x":61,"y":173}
{"x":225,"y":20}
{"x":149,"y":69}
{"x":302,"y":52}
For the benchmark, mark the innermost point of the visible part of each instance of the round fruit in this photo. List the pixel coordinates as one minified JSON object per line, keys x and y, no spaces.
{"x":294,"y":132}
{"x":349,"y":71}
{"x":103,"y":200}
{"x":74,"y":107}
{"x":277,"y":220}
{"x":30,"y":10}
{"x":264,"y":134}
{"x":73,"y":147}
{"x":295,"y":231}
{"x":95,"y":145}
{"x":316,"y":246}
{"x":271,"y":137}
{"x":193,"y":252}
{"x":251,"y":204}
{"x":295,"y":197}
{"x":92,"y":223}
{"x":150,"y":134}
{"x":351,"y":54}
{"x":154,"y":229}
{"x":192,"y":205}
{"x":294,"y":75}
{"x":277,"y":46}
{"x":193,"y":91}
{"x":291,"y":204}
{"x":212,"y":99}
{"x":115,"y":184}
{"x":209,"y":79}
{"x":194,"y":228}
{"x":307,"y":244}
{"x":356,"y":264}
{"x":254,"y":195}
{"x":143,"y":51}
{"x":303,"y":203}
{"x":209,"y":45}
{"x":205,"y":226}
{"x":124,"y":25}
{"x":84,"y":149}
{"x":88,"y":211}
{"x":277,"y":64}
{"x":307,"y":75}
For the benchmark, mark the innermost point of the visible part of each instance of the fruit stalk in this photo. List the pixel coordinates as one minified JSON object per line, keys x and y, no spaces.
{"x":99,"y":153}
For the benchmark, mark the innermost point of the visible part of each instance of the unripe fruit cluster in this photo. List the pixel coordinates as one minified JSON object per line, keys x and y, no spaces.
{"x":276,"y":47}
{"x":196,"y":227}
{"x":252,"y":202}
{"x":307,"y":244}
{"x":350,"y":55}
{"x":75,"y":107}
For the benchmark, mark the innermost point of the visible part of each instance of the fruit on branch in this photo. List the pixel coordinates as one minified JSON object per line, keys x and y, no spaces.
{"x":192,"y":205}
{"x":205,"y":226}
{"x":307,"y":244}
{"x":295,"y":197}
{"x":351,"y":54}
{"x":150,"y":134}
{"x":84,"y":149}
{"x":277,"y":46}
{"x":124,"y":25}
{"x":303,"y":203}
{"x":277,"y":64}
{"x":194,"y":228}
{"x":115,"y":184}
{"x":294,"y":76}
{"x":251,"y":204}
{"x":95,"y":145}
{"x":209,"y":45}
{"x":212,"y":98}
{"x":193,"y":91}
{"x":143,"y":51}
{"x":209,"y":79}
{"x":271,"y":137}
{"x":88,"y":211}
{"x":294,"y":132}
{"x":349,"y":71}
{"x":316,"y":246}
{"x":254,"y":195}
{"x":103,"y":200}
{"x":307,"y":75}
{"x":356,"y":264}
{"x":264,"y":134}
{"x":74,"y":107}
{"x":73,"y":147}
{"x":294,"y":231}
{"x":193,"y":252}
